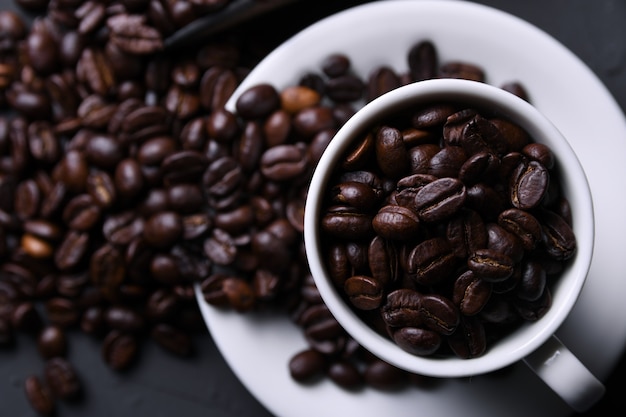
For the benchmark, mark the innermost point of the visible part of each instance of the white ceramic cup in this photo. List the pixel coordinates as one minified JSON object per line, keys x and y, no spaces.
{"x":533,"y":343}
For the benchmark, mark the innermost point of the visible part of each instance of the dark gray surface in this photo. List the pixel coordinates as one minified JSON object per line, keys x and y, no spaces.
{"x":161,"y":385}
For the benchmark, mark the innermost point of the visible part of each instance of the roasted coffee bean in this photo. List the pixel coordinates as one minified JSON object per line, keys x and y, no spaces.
{"x":239,"y":293}
{"x":258,"y":101}
{"x":516,"y":88}
{"x":62,"y":378}
{"x":360,"y":153}
{"x":439,"y":313}
{"x":396,"y":223}
{"x":124,"y":319}
{"x":431,"y":261}
{"x":407,"y":188}
{"x":321,"y":330}
{"x":455,"y":124}
{"x":534,"y":310}
{"x":131,"y":34}
{"x":307,"y":364}
{"x":62,"y":312}
{"x":559,"y":238}
{"x":414,"y":137}
{"x":490,"y":265}
{"x":423,"y":61}
{"x":39,"y":395}
{"x":27,"y":199}
{"x":479,"y":134}
{"x":222,"y":179}
{"x":163,"y":229}
{"x":81,"y":213}
{"x":382,"y":258}
{"x":447,"y":162}
{"x":523,"y":225}
{"x":52,"y":342}
{"x":284,"y":162}
{"x":365,"y":293}
{"x":43,"y":143}
{"x":355,"y":194}
{"x":220,"y":247}
{"x":440,"y":199}
{"x":541,"y":153}
{"x":464,"y":70}
{"x":338,"y":264}
{"x":470,"y":340}
{"x":432,"y":115}
{"x":500,"y":240}
{"x":345,"y":88}
{"x":119,"y":350}
{"x":71,"y":250}
{"x":402,"y":308}
{"x":420,"y":157}
{"x":466,"y":232}
{"x":298,"y":97}
{"x":480,"y":167}
{"x":383,"y":376}
{"x":312,"y":120}
{"x":528,"y":185}
{"x":216,"y":86}
{"x":172,"y":339}
{"x":73,"y":170}
{"x":335,"y":65}
{"x":470,"y":293}
{"x":391,"y":155}
{"x":36,"y":247}
{"x":128,"y":178}
{"x":101,"y":188}
{"x":533,"y":281}
{"x":345,"y":374}
{"x":345,"y":222}
{"x":422,"y":342}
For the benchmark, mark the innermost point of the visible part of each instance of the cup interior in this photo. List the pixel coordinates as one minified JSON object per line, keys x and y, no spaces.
{"x":565,"y":291}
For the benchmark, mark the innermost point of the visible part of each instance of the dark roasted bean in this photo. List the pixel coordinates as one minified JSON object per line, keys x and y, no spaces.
{"x":559,"y":238}
{"x":52,"y":342}
{"x":470,"y":340}
{"x":431,"y":261}
{"x":422,"y":342}
{"x":365,"y":293}
{"x":306,"y":365}
{"x":62,"y":378}
{"x":470,"y":293}
{"x":39,"y":395}
{"x":119,"y":350}
{"x":391,"y":154}
{"x":396,"y":223}
{"x":490,"y":265}
{"x":384,"y":376}
{"x":172,"y":339}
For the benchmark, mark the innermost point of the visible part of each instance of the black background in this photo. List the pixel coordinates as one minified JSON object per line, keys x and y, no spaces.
{"x":161,"y":385}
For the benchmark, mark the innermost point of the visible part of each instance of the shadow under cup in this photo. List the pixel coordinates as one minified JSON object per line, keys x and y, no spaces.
{"x":565,"y":290}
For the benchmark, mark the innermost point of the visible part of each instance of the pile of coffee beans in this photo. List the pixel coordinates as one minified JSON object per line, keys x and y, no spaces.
{"x":104,"y":202}
{"x":124,"y":182}
{"x":459,"y":222}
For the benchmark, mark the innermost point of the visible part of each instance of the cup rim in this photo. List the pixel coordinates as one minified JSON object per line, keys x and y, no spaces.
{"x":530,"y":336}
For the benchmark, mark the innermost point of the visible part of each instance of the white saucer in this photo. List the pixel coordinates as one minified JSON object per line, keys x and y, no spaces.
{"x":258,"y":347}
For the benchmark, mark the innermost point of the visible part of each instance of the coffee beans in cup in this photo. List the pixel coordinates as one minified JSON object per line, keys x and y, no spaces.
{"x":445,"y":227}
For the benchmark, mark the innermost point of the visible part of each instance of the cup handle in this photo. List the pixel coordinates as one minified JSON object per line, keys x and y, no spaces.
{"x":557,"y":366}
